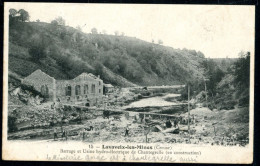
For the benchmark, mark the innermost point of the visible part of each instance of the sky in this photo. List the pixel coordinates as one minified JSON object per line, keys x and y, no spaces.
{"x":217,"y":31}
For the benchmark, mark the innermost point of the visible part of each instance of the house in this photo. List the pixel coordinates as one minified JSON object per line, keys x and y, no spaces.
{"x":108,"y":88}
{"x":86,"y":89}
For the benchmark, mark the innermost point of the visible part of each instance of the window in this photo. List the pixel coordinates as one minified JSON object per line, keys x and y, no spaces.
{"x":77,"y":90}
{"x":45,"y":90}
{"x":93,"y":88}
{"x":68,"y":90}
{"x":99,"y":83}
{"x":85,"y":89}
{"x":99,"y":90}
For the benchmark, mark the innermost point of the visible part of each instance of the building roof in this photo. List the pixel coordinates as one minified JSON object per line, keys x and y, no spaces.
{"x":38,"y":72}
{"x":108,"y":86}
{"x":93,"y":76}
{"x":89,"y":75}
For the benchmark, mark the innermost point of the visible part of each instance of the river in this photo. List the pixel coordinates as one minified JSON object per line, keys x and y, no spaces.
{"x":157,"y":101}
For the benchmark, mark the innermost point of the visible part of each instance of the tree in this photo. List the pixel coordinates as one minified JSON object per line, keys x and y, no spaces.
{"x":38,"y":49}
{"x":37,"y":52}
{"x":160,"y":41}
{"x":214,"y":75}
{"x":60,"y":21}
{"x":99,"y":69}
{"x":195,"y":85}
{"x":94,"y":31}
{"x":104,"y":32}
{"x":37,"y":20}
{"x":54,"y":22}
{"x":12,"y":12}
{"x":12,"y":123}
{"x":78,"y":28}
{"x":12,"y":16}
{"x":200,"y":54}
{"x":116,"y":33}
{"x":242,"y":70}
{"x":122,"y":34}
{"x":24,"y":15}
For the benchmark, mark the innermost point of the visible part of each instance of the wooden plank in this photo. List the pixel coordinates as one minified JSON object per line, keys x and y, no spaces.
{"x":159,"y":127}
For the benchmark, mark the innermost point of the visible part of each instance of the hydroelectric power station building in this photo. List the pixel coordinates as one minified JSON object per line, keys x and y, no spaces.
{"x":85,"y":89}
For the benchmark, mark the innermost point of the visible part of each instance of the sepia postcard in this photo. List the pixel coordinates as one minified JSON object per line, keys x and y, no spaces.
{"x":128,"y":83}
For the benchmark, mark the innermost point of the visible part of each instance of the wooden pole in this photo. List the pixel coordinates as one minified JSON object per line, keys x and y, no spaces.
{"x":146,"y":138}
{"x":189,"y":111}
{"x":206,"y":93}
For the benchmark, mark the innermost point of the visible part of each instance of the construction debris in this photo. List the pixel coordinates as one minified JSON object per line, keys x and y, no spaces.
{"x":34,"y":119}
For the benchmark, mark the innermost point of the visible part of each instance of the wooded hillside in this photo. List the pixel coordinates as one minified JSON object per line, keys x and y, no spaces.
{"x":64,"y":52}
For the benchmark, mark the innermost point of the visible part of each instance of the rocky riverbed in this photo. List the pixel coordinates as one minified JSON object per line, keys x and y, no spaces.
{"x":37,"y":121}
{"x":226,"y":127}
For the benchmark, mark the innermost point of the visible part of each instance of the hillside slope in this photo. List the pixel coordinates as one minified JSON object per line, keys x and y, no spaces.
{"x":64,"y":52}
{"x":224,"y":63}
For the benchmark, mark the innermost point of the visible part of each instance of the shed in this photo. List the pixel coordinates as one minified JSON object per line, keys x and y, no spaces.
{"x":108,"y":88}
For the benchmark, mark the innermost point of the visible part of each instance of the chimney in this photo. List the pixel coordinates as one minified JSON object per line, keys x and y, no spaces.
{"x":98,"y":76}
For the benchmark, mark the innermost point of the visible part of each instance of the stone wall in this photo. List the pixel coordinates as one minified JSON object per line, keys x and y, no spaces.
{"x":57,"y":88}
{"x":86,"y":95}
{"x":38,"y":79}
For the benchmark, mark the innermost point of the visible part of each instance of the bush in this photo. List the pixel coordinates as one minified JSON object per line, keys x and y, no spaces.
{"x":37,"y":53}
{"x":138,"y":61}
{"x":244,"y":101}
{"x":31,"y":89}
{"x":74,"y":114}
{"x":139,"y":96}
{"x":228,"y":105}
{"x":11,"y":123}
{"x":54,"y":22}
{"x":211,"y":106}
